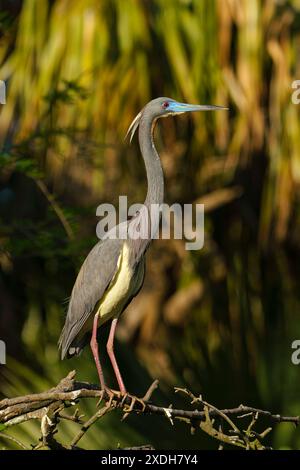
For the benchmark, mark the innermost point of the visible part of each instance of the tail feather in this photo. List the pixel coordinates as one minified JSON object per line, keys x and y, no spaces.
{"x":68,"y":347}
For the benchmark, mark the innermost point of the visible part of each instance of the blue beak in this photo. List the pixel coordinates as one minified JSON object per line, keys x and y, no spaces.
{"x":176,"y":107}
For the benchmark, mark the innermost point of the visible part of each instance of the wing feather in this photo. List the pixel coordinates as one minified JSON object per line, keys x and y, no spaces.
{"x":94,"y":278}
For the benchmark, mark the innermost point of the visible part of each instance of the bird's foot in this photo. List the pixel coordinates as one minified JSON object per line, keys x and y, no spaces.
{"x":109,"y":395}
{"x":126,"y":401}
{"x":129,"y":407}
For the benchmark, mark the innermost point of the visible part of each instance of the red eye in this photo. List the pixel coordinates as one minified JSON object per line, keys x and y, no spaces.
{"x":165,"y":105}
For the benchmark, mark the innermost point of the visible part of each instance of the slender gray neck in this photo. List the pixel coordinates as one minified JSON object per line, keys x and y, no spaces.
{"x":155,"y":177}
{"x":155,"y":193}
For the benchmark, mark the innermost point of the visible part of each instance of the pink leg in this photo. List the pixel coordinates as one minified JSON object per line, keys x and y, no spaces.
{"x":110,"y":351}
{"x":94,"y":348}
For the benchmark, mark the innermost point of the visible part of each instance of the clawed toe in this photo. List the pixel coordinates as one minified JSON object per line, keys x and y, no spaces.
{"x":128,"y":408}
{"x":125,"y":400}
{"x":110,"y":395}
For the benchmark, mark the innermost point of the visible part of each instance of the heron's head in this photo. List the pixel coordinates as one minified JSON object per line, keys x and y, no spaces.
{"x":164,"y":107}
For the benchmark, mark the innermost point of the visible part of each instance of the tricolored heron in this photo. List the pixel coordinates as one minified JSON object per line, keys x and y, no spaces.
{"x":113,"y":272}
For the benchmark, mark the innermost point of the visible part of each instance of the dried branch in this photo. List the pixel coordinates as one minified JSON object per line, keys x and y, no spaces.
{"x":48,"y":407}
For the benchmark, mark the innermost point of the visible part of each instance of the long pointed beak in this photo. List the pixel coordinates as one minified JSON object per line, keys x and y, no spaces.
{"x":175,"y":107}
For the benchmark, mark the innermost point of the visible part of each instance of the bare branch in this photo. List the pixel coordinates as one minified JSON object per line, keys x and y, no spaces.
{"x":49,"y":407}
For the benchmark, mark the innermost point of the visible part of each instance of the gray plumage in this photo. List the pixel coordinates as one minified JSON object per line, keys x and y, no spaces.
{"x":99,"y":268}
{"x":104,"y":271}
{"x":92,"y":281}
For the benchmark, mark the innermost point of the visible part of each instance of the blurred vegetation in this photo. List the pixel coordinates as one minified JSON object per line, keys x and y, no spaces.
{"x":220,"y":321}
